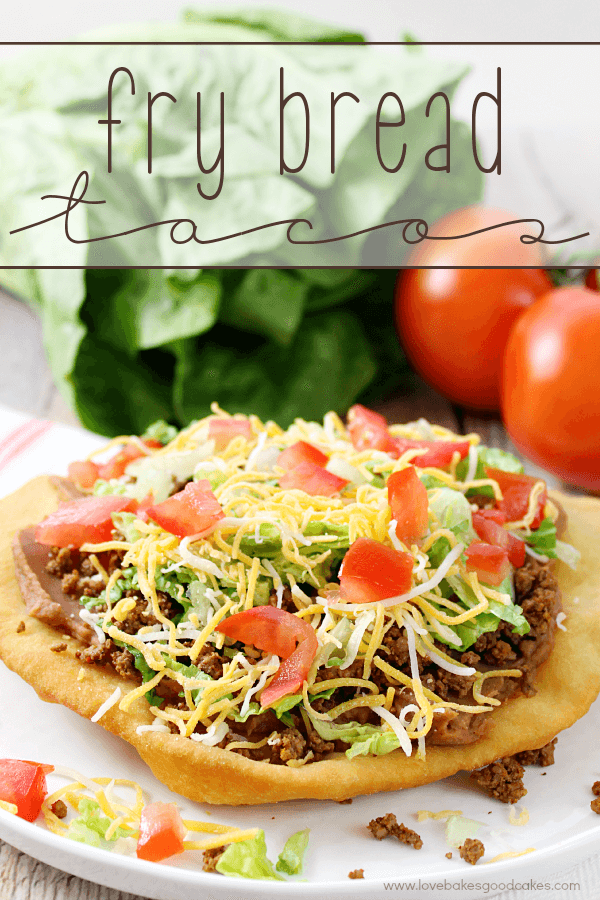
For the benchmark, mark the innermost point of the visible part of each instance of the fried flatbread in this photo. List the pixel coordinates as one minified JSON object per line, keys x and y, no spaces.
{"x":566,"y":686}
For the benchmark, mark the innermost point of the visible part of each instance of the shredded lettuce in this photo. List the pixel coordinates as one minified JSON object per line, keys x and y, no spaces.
{"x":248,"y":859}
{"x":91,"y":825}
{"x":459,"y":829}
{"x":493,"y":457}
{"x":453,"y":512}
{"x":376,"y":745}
{"x":364,"y":740}
{"x":489,"y":620}
{"x":124,"y":522}
{"x":291,"y":858}
{"x":543,"y":540}
{"x":160,"y":431}
{"x":567,"y":554}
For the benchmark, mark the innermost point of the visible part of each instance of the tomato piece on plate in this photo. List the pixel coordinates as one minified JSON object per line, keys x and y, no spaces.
{"x":312,"y":479}
{"x":193,"y":510}
{"x":516,"y":490}
{"x":84,"y":473}
{"x":222,"y":431}
{"x":161,"y":832}
{"x":409,"y":505}
{"x":301,"y":452}
{"x":490,"y":563}
{"x":371,"y":571}
{"x":438,"y":453}
{"x":276,"y":631}
{"x":24,"y":783}
{"x":369,"y":430}
{"x":151,"y":444}
{"x":491,"y":532}
{"x":85,"y":521}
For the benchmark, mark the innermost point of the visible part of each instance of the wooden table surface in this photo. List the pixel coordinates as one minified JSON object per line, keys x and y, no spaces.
{"x":26,"y":384}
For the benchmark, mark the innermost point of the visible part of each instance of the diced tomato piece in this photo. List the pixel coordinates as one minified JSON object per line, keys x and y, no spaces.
{"x":151,"y":444}
{"x":409,"y":505}
{"x":301,"y":452}
{"x":222,"y":431}
{"x":84,"y":473}
{"x":85,"y":521}
{"x":24,"y":783}
{"x":490,"y":563}
{"x":161,"y":832}
{"x":494,"y":514}
{"x":439,"y":453}
{"x":516,"y":490}
{"x":116,"y":465}
{"x":193,"y":510}
{"x":371,"y":571}
{"x":492,"y":533}
{"x":516,"y":551}
{"x":276,"y":631}
{"x":369,"y":431}
{"x":313,"y":480}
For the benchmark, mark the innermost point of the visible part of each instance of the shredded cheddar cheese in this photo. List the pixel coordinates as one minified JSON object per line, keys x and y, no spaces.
{"x":284,"y":547}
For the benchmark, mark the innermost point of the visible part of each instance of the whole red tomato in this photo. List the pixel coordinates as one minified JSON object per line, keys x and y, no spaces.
{"x":454,"y":323}
{"x":551,"y":385}
{"x":591,"y":280}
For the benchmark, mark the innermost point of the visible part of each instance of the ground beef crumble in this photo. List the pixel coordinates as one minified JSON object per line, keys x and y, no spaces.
{"x":356,"y":873}
{"x":59,"y":648}
{"x":59,"y":809}
{"x":542,"y":757}
{"x":502,"y":779}
{"x":596,"y":789}
{"x":387,"y":826}
{"x":472,"y":850}
{"x":210,"y":858}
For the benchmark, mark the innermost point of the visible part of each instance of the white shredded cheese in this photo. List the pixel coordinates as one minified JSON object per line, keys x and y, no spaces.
{"x":559,"y":621}
{"x":92,"y":620}
{"x":214,"y":735}
{"x":157,"y":725}
{"x":396,"y":726}
{"x":473,"y":458}
{"x":108,"y":704}
{"x":362,"y":623}
{"x":272,"y":664}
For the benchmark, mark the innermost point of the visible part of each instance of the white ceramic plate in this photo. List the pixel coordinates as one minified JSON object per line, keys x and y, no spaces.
{"x":562,"y":827}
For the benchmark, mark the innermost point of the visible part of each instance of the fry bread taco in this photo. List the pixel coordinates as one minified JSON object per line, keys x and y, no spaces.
{"x":320,"y":612}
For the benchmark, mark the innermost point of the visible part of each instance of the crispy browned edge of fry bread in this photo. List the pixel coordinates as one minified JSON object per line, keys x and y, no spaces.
{"x":566,"y":686}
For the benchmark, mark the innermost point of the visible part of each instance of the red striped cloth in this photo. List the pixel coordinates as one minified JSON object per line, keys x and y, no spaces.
{"x":30,"y":447}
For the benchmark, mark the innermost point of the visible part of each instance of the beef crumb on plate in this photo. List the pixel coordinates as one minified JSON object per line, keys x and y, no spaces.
{"x":472,"y":850}
{"x":356,"y":873}
{"x":502,"y":779}
{"x":387,"y":826}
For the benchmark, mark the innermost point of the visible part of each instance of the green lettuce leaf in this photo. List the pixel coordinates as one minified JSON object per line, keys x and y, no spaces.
{"x":91,"y":825}
{"x":291,"y":858}
{"x":469,"y":631}
{"x":248,"y":859}
{"x":459,"y":829}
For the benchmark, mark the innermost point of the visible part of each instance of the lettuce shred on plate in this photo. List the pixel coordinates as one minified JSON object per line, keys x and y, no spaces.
{"x":261,"y":634}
